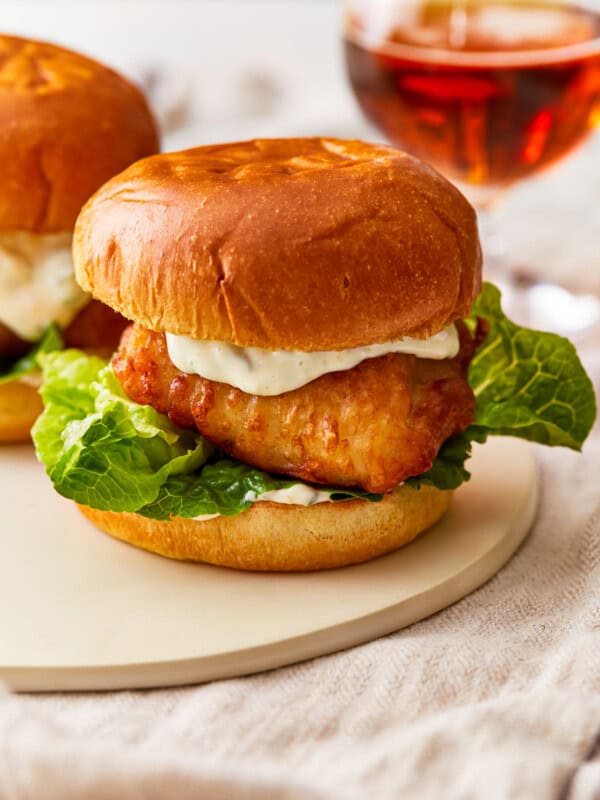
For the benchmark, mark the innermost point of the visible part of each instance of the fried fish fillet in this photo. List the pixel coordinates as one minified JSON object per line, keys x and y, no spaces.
{"x":96,"y":328}
{"x":11,"y":346}
{"x":371,"y":426}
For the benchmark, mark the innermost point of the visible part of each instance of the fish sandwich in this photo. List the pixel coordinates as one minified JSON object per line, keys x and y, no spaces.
{"x":296,"y":390}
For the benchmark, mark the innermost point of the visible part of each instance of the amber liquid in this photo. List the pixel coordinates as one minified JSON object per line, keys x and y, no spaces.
{"x":488,"y":92}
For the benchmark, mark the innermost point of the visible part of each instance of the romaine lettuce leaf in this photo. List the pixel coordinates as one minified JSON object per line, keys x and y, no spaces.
{"x":99,"y":448}
{"x":527,"y":384}
{"x":448,"y":470}
{"x":221,"y":487}
{"x":50,"y":341}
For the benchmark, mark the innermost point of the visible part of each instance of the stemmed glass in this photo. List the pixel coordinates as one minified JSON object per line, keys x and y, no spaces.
{"x":489,"y":92}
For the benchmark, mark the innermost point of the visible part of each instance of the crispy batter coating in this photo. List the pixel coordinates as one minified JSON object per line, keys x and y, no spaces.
{"x":371,"y":426}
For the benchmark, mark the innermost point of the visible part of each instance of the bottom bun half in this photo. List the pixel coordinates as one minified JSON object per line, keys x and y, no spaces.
{"x":278,"y":538}
{"x":20,"y":406}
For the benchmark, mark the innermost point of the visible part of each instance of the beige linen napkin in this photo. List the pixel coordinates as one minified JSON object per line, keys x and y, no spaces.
{"x":495,"y":697}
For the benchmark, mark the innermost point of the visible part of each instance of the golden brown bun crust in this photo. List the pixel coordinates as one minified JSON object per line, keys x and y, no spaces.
{"x":67,"y":124}
{"x":306,"y":244}
{"x":272,"y":537}
{"x":20,"y":406}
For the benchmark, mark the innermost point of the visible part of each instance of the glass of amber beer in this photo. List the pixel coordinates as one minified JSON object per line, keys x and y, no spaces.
{"x":487,"y":91}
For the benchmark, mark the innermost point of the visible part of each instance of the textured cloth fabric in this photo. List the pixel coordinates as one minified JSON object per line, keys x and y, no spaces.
{"x":497,"y":696}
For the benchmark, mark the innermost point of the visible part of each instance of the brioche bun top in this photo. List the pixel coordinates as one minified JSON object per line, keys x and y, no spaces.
{"x":293,"y":244}
{"x":67,"y":124}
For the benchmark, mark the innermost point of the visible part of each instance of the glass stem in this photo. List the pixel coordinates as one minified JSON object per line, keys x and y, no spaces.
{"x":499,"y":267}
{"x":526,"y":299}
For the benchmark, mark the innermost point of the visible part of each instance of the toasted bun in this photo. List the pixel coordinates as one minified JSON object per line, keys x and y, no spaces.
{"x":67,"y":124}
{"x":20,"y":406}
{"x":297,"y":244}
{"x":272,"y":537}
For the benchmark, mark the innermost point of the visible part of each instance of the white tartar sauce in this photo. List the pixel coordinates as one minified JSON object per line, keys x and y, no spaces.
{"x":300,"y":494}
{"x":37,"y":284}
{"x":272,"y":372}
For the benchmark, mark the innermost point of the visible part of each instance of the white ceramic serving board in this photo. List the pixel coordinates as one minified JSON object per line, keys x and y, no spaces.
{"x":79,"y":610}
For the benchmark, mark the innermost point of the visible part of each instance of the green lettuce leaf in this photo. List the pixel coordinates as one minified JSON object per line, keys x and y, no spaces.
{"x":223,"y":487}
{"x":528,"y":384}
{"x":102,"y":450}
{"x":448,"y":470}
{"x":51,"y":340}
{"x":99,"y":448}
